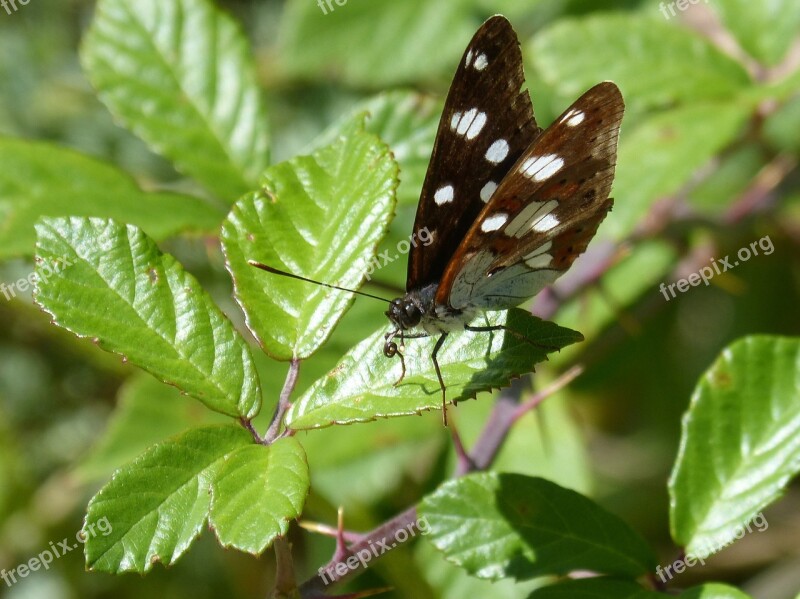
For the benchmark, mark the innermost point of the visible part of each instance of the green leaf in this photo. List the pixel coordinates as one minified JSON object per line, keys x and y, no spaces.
{"x":637,"y":52}
{"x":318,"y":216}
{"x":258,"y":491}
{"x":179,"y":75}
{"x":713,"y":590}
{"x":734,"y":171}
{"x":661,"y":154}
{"x":595,"y":588}
{"x":113,"y":285}
{"x":148,"y":411}
{"x":39,"y":179}
{"x":740,"y":443}
{"x":764,"y":28}
{"x":318,"y":41}
{"x":375,"y":463}
{"x":448,"y":581}
{"x":510,"y":525}
{"x":156,"y":506}
{"x":407,"y":122}
{"x":362,"y":386}
{"x":780,"y":126}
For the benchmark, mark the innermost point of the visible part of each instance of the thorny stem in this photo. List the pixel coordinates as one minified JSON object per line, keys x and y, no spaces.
{"x":284,"y":402}
{"x":385,"y":533}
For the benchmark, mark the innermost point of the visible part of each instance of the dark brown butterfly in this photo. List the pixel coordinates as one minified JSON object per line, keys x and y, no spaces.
{"x":509,"y":206}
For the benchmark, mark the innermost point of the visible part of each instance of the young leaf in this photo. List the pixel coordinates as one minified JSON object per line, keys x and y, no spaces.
{"x":40,"y":179}
{"x":113,"y":285}
{"x":318,"y":216}
{"x":362,"y":385}
{"x":595,"y":588}
{"x":258,"y":491}
{"x":740,"y":443}
{"x":510,"y":525}
{"x":179,"y":75}
{"x":157,"y":505}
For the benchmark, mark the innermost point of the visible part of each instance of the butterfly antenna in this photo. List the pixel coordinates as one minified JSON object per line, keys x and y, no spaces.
{"x":283,"y":273}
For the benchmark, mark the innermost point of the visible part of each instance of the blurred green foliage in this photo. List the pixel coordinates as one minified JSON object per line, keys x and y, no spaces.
{"x":707,"y":165}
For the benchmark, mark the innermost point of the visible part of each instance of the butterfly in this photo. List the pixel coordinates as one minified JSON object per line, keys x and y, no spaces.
{"x":509,"y":206}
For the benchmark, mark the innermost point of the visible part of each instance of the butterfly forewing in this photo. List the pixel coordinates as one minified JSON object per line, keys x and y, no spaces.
{"x":486,"y":124}
{"x":544,"y":212}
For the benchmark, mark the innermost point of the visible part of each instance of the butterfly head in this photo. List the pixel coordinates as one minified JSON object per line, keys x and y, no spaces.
{"x":404,"y":313}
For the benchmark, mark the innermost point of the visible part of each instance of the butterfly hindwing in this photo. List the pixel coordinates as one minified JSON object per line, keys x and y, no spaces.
{"x":544,"y":211}
{"x":486,"y":124}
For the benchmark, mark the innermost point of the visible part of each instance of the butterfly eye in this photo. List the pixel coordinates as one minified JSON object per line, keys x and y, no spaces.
{"x":404,"y":313}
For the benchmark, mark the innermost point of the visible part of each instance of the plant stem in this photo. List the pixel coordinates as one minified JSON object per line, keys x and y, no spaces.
{"x":284,"y":402}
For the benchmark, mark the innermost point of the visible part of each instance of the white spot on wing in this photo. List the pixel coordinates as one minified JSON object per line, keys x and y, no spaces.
{"x":545,"y":224}
{"x":443,"y":195}
{"x":574,"y":117}
{"x":540,"y":261}
{"x":528,"y":217}
{"x":487,"y":191}
{"x":481,"y":62}
{"x":469,"y":124}
{"x":476,"y":125}
{"x":541,"y":168}
{"x":468,"y":58}
{"x":497,"y":152}
{"x":494,"y":222}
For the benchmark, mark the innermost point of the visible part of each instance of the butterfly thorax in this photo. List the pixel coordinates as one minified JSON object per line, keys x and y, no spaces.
{"x":418,"y":309}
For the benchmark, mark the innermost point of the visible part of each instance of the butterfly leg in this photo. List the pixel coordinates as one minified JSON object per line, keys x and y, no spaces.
{"x":392,"y":349}
{"x":436,"y":349}
{"x":520,"y":336}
